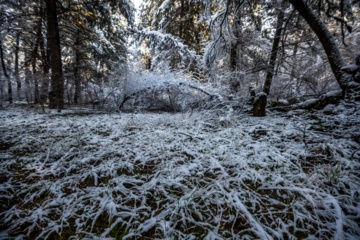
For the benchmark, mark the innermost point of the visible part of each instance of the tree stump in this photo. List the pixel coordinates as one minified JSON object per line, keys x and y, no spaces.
{"x":259,"y":106}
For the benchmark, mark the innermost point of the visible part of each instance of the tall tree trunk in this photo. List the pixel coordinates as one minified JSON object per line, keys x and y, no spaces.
{"x":34,"y":56}
{"x":44,"y":52}
{"x":5,"y":74}
{"x":16,"y":69}
{"x":28,"y":95}
{"x":56,"y":95}
{"x":36,"y":81}
{"x":274,"y":51}
{"x":77,"y":77}
{"x":325,"y":37}
{"x":235,"y":51}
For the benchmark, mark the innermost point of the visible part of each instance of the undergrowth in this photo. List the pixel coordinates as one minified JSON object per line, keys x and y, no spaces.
{"x":179,"y":176}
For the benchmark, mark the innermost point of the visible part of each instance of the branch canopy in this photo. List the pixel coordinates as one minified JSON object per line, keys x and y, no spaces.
{"x":325,"y":37}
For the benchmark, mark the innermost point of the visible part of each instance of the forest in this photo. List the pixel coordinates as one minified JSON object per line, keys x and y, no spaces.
{"x":180,"y":119}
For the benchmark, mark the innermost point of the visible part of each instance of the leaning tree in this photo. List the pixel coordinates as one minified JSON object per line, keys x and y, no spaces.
{"x":327,"y":40}
{"x":317,"y":14}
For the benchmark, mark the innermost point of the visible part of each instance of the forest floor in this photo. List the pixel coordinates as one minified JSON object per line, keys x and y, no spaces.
{"x":201,"y":175}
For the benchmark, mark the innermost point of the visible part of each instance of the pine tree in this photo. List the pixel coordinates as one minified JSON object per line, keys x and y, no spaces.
{"x":181,"y":22}
{"x":91,"y":38}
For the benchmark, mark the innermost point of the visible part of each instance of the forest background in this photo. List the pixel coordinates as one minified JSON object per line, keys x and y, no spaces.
{"x":77,"y":52}
{"x":117,"y":123}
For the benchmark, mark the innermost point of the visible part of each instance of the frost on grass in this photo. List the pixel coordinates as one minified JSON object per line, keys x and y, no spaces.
{"x":179,"y":176}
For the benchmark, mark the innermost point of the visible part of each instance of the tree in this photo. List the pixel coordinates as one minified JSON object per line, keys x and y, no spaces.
{"x":95,"y":39}
{"x":224,"y":17}
{"x":16,"y":70}
{"x":56,"y":96}
{"x":180,"y":18}
{"x":45,"y":59}
{"x":237,"y":47}
{"x":261,"y":100}
{"x":92,"y":41}
{"x":274,"y":50}
{"x":20,"y":22}
{"x":168,"y":49}
{"x":179,"y":23}
{"x":327,"y":40}
{"x":5,"y":73}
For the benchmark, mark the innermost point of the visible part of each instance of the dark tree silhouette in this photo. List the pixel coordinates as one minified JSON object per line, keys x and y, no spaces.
{"x":56,"y":95}
{"x":274,"y":51}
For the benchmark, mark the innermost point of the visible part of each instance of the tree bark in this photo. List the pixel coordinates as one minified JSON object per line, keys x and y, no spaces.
{"x":44,"y":54}
{"x":34,"y":56}
{"x":5,"y":74}
{"x":36,"y":81}
{"x":325,"y":37}
{"x":274,"y":51}
{"x":16,"y":69}
{"x":44,"y":51}
{"x":28,"y":95}
{"x":77,"y":77}
{"x":235,"y":50}
{"x":56,"y":96}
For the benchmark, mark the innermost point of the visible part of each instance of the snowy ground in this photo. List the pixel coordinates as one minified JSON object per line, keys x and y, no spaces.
{"x":179,"y":176}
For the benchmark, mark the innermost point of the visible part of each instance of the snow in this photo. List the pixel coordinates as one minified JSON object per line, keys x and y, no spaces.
{"x":179,"y":176}
{"x":163,"y":45}
{"x":283,"y":102}
{"x":350,"y":68}
{"x":164,"y":6}
{"x":335,"y":93}
{"x":307,"y":104}
{"x":137,"y":3}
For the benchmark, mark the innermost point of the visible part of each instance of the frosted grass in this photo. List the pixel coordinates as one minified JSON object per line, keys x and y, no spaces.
{"x":178,"y":176}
